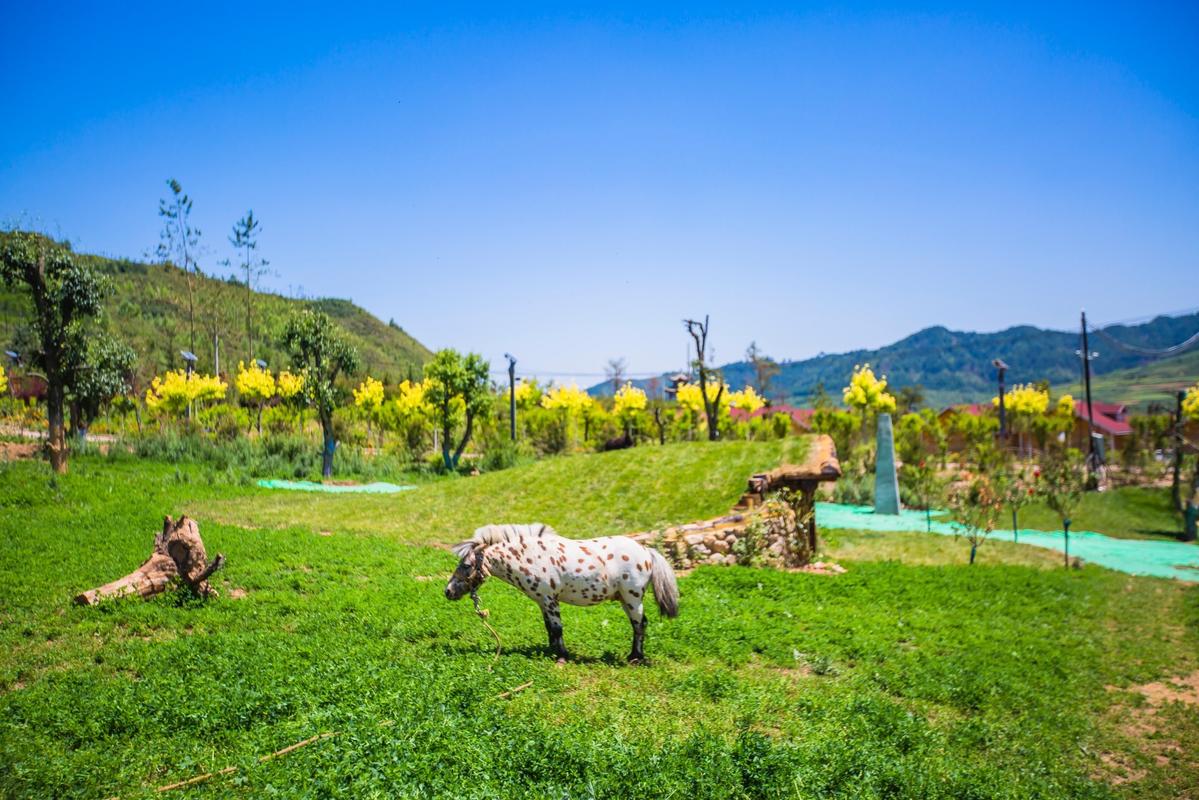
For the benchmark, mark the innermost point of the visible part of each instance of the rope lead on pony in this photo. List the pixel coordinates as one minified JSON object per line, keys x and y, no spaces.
{"x":474,"y":598}
{"x":483,"y":614}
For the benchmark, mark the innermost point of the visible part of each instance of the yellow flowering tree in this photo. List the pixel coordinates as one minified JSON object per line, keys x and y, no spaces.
{"x":1190,"y":403}
{"x":256,"y":386}
{"x":867,"y":394}
{"x":289,"y":386}
{"x":174,"y":392}
{"x":1030,"y":410}
{"x":691,"y":400}
{"x":628,"y":404}
{"x":368,"y":398}
{"x":1025,"y":401}
{"x":3,"y":380}
{"x":528,"y":394}
{"x":413,"y":413}
{"x":747,"y":400}
{"x":571,"y":401}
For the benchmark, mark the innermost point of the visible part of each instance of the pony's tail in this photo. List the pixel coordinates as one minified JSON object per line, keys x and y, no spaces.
{"x":666,"y":588}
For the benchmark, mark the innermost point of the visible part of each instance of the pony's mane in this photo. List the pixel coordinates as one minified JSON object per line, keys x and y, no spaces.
{"x":496,"y":534}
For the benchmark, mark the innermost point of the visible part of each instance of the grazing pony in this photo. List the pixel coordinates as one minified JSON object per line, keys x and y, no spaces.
{"x":582,"y":572}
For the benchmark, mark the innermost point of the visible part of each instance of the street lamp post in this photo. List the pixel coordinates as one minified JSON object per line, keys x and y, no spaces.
{"x":511,"y":394}
{"x":1001,"y":367}
{"x":189,"y":360}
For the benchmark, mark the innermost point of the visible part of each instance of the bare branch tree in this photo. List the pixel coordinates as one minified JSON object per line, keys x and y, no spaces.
{"x":245,"y":238}
{"x":765,"y":368}
{"x":699,"y":333}
{"x":615,"y":371}
{"x":180,"y":242}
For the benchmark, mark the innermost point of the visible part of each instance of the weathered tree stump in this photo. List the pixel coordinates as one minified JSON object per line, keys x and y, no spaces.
{"x":178,"y":553}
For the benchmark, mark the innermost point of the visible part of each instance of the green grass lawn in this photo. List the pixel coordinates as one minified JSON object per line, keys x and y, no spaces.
{"x":1126,"y":513}
{"x":912,"y":675}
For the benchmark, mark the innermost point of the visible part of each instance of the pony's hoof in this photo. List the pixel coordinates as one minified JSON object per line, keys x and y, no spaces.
{"x":637,"y":661}
{"x":561,"y":661}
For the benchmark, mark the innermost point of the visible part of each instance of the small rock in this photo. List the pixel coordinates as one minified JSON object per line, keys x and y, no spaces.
{"x":720,"y":546}
{"x":693,"y":538}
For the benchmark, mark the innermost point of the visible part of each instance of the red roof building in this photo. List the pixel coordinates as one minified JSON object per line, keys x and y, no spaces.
{"x":1110,"y":422}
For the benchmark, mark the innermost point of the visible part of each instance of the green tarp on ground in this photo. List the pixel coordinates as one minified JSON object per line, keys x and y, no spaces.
{"x":332,"y":488}
{"x":1162,"y":559}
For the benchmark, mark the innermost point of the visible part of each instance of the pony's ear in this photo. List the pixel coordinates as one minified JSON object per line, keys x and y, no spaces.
{"x":463,"y":549}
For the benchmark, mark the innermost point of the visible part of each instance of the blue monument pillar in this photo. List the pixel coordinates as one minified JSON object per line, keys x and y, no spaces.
{"x":886,"y":481}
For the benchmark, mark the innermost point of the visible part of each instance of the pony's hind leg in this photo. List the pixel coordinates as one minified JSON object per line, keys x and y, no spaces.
{"x":553,"y":628}
{"x":636,"y":614}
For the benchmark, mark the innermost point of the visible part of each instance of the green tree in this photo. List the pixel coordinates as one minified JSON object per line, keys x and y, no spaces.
{"x":1061,"y":483}
{"x":457,"y":390}
{"x":321,"y":354}
{"x":245,"y":239}
{"x":910,"y":398}
{"x":105,"y":373}
{"x":64,"y":293}
{"x":842,"y":426}
{"x":765,"y":368}
{"x":179,"y":242}
{"x":974,"y":504}
{"x":819,"y":398}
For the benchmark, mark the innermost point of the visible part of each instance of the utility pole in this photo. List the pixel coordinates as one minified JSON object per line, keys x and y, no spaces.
{"x":1002,"y":368}
{"x":1086,"y":373}
{"x":1175,"y":486}
{"x":511,"y":394}
{"x":216,"y":354}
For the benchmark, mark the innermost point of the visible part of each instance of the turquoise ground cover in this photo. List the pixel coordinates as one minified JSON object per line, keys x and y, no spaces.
{"x":378,"y":487}
{"x":1133,"y":556}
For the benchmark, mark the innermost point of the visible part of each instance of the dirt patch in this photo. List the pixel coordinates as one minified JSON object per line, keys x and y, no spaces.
{"x":1118,"y":769}
{"x":1143,"y":728}
{"x":237,"y":593}
{"x":1178,"y":690}
{"x":821,"y":568}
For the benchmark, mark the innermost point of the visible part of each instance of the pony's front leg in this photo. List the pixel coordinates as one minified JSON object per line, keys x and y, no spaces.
{"x":636,"y":614}
{"x":553,"y":627}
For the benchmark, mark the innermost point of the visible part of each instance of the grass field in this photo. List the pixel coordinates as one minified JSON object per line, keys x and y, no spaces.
{"x":1130,"y":512}
{"x":912,"y":675}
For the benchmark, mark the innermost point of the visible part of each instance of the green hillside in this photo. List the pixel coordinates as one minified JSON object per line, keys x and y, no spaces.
{"x":1154,"y":383}
{"x":147,"y":309}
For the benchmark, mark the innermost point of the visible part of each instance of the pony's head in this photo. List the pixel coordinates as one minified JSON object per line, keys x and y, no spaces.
{"x":470,"y":572}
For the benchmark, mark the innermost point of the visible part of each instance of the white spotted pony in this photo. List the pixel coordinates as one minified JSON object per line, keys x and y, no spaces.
{"x":582,"y":572}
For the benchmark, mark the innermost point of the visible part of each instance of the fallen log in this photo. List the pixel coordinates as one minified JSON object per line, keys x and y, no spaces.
{"x":178,"y":553}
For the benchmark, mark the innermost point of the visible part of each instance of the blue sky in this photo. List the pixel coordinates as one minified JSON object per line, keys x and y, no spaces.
{"x":568,"y":185}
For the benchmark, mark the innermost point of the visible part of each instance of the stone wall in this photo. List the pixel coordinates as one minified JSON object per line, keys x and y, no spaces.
{"x":766,"y":535}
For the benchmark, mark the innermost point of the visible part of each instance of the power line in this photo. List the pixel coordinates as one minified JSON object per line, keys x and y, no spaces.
{"x":562,"y":374}
{"x":1111,"y":323}
{"x":1190,"y":340}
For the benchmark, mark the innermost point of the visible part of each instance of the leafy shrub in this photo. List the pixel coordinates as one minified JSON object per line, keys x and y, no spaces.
{"x":854,"y":489}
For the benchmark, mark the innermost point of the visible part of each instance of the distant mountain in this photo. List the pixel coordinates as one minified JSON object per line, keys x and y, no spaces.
{"x":147,"y":309}
{"x":955,"y":366}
